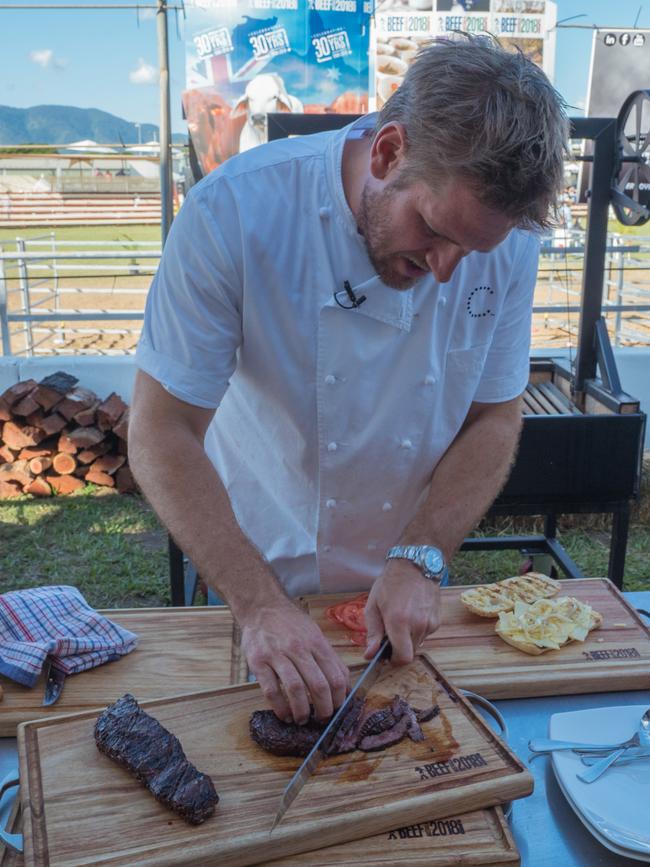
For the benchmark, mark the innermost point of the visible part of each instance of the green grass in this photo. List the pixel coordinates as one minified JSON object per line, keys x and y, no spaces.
{"x":114,"y":550}
{"x":82,"y":233}
{"x":109,"y":546}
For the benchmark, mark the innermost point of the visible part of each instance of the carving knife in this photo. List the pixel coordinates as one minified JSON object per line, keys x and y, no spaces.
{"x":318,"y":752}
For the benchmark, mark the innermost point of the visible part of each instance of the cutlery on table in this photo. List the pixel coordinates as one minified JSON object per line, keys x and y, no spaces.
{"x":640,"y":738}
{"x":548,"y":745}
{"x":54,"y":680}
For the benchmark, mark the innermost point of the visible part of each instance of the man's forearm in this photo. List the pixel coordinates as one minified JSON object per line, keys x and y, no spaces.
{"x":468,"y":478}
{"x":192,"y":502}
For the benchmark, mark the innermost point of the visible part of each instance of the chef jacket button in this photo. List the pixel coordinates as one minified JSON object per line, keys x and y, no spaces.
{"x":406,"y":444}
{"x":327,"y":548}
{"x":332,"y":447}
{"x":329,"y":379}
{"x":429,"y":380}
{"x":387,"y":506}
{"x":331,"y":504}
{"x":324,"y":213}
{"x":442,"y":300}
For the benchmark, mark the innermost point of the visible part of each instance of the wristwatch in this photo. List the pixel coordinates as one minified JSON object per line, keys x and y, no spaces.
{"x":428,"y":558}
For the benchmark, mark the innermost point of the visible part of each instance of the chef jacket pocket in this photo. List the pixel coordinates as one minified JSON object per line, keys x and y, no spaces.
{"x":463,"y":369}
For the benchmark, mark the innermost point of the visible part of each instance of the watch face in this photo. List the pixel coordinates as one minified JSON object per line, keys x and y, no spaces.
{"x":433,"y":561}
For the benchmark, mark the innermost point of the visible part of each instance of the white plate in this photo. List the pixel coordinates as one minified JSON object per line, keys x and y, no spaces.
{"x":615,"y":806}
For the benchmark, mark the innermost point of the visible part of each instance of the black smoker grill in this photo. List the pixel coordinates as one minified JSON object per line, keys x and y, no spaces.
{"x":582,"y":439}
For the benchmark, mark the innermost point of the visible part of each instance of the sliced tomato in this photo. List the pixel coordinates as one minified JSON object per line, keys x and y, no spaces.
{"x":349,"y":614}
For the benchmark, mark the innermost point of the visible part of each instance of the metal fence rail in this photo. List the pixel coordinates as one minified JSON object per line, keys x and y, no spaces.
{"x":42,"y":272}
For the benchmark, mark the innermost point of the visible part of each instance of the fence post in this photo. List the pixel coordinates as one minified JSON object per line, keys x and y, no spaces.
{"x":4,"y":322}
{"x":24,"y":285}
{"x":619,"y":296}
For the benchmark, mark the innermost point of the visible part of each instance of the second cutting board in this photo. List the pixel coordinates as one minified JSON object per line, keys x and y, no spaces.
{"x":615,"y":657}
{"x":79,"y":807}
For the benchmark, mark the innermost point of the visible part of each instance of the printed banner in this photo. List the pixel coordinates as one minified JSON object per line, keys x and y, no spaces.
{"x":247,"y":58}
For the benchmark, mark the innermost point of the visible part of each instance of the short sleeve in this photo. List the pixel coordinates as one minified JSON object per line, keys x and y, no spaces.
{"x":192,"y":324}
{"x":507,"y":365}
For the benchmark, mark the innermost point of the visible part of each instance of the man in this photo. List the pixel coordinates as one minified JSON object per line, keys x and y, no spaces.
{"x":349,"y":428}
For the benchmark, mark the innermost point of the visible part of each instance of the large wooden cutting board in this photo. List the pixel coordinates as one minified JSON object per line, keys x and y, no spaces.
{"x":180,"y":650}
{"x":613,"y":658}
{"x":469,"y":840}
{"x":79,"y":807}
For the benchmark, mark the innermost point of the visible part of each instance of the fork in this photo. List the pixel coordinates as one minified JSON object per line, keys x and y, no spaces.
{"x":641,"y":737}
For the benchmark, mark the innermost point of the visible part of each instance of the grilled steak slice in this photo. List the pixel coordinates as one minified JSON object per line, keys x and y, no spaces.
{"x":388,"y":738}
{"x":154,"y":756}
{"x":347,"y":734}
{"x":427,"y":713}
{"x":284,"y":739}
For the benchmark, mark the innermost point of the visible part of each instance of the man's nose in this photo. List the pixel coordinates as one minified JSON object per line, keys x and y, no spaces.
{"x":442,"y":261}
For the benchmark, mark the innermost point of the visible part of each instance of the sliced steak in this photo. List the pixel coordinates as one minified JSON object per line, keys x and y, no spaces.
{"x":154,"y":756}
{"x":284,"y":739}
{"x":388,"y":738}
{"x":427,"y":713}
{"x":347,"y":734}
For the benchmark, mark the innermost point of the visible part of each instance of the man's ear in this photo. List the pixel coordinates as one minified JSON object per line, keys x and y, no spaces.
{"x":388,"y":151}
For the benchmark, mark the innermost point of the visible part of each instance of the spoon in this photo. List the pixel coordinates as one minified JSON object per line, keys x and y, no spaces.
{"x":641,"y":738}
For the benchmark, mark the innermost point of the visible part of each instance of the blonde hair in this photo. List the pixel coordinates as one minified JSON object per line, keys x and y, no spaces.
{"x":475,"y":111}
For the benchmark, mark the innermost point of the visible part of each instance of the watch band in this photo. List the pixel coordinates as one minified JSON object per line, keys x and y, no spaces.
{"x":427,"y":558}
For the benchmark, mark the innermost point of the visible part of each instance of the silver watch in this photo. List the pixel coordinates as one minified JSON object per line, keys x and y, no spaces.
{"x":428,"y":558}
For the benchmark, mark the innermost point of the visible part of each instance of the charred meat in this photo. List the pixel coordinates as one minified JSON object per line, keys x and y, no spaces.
{"x":154,"y":756}
{"x":360,"y":729}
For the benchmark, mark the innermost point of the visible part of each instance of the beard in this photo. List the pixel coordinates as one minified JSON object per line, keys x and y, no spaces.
{"x":377,"y":228}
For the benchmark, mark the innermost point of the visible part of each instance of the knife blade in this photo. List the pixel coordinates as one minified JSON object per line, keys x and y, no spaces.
{"x":360,"y":689}
{"x":54,"y":680}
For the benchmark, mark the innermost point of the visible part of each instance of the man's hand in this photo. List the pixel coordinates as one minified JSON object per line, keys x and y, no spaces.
{"x":403,"y":605}
{"x":294,"y":663}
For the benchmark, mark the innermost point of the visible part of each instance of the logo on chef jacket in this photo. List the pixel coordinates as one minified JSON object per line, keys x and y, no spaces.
{"x":480,"y":302}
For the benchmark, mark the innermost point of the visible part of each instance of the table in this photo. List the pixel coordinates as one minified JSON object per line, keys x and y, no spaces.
{"x":545,"y":828}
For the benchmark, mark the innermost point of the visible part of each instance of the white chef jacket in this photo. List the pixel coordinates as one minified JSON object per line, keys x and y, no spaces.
{"x":330,"y":421}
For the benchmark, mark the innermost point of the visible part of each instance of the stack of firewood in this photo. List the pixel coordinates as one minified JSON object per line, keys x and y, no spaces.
{"x":55,"y":437}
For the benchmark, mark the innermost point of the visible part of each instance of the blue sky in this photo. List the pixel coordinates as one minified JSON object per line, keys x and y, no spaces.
{"x":108,"y":59}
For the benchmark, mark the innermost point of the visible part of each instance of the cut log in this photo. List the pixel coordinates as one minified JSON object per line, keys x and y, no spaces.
{"x":87,"y":417}
{"x":121,"y":429}
{"x":108,"y":464}
{"x":5,"y":412}
{"x":46,"y":398}
{"x":45,"y":449}
{"x":18,"y":471}
{"x":84,"y":437}
{"x":64,"y":484}
{"x":60,"y":381}
{"x":9,"y":489}
{"x":25,"y":406}
{"x":87,"y":456}
{"x":64,"y":463}
{"x":39,"y":465}
{"x":82,"y":471}
{"x":18,"y":436}
{"x":98,"y":478}
{"x":78,"y":400}
{"x":38,"y":488}
{"x":65,"y":444}
{"x":53,"y":423}
{"x":109,"y":411}
{"x":7,"y":456}
{"x":16,"y":392}
{"x":35,"y":419}
{"x":124,"y":481}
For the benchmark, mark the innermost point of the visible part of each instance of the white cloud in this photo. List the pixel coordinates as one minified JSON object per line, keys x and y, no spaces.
{"x":146,"y":14}
{"x":144,"y":74}
{"x":45,"y":58}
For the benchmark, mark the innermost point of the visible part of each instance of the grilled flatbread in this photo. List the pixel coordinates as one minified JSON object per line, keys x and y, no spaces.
{"x":547,"y":624}
{"x":489,"y":600}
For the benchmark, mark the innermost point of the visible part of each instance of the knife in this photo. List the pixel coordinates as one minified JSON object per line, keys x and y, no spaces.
{"x":54,"y":680}
{"x":318,"y":751}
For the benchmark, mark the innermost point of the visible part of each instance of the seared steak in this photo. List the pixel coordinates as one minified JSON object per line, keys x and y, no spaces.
{"x":359,"y":730}
{"x":154,"y":756}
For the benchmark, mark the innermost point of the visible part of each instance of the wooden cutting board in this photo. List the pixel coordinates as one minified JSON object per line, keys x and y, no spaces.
{"x":468,"y":840}
{"x":79,"y":807}
{"x":613,"y":658}
{"x":180,"y":650}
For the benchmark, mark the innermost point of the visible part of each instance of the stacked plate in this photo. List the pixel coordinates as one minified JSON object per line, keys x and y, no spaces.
{"x":614,"y":807}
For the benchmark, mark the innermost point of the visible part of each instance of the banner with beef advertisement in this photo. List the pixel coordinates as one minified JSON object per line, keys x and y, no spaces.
{"x":247,"y":58}
{"x":402,"y":26}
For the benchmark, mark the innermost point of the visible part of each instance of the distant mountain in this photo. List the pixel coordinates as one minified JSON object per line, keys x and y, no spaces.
{"x":63,"y":124}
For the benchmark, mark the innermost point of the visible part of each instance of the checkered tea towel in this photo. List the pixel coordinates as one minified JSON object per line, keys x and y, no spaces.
{"x":55,"y":622}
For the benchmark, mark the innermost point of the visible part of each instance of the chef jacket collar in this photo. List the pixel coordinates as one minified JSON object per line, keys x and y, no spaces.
{"x":391,"y":306}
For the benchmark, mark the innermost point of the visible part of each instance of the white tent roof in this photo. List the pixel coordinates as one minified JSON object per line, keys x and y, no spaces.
{"x":87,"y":145}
